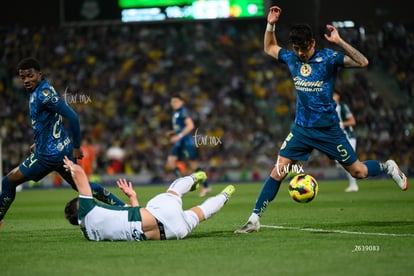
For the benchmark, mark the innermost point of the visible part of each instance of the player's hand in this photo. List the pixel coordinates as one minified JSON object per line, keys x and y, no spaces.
{"x":334,"y":36}
{"x":126,"y":187}
{"x":174,"y":139}
{"x":69,"y":165}
{"x":273,"y":15}
{"x":32,"y":148}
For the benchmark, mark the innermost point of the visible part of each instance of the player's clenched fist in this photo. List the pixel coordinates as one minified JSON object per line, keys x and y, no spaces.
{"x":274,"y":14}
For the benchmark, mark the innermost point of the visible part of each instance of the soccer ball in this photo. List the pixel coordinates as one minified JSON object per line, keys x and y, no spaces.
{"x":303,"y":188}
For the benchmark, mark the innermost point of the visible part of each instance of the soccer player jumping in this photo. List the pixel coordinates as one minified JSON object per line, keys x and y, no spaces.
{"x":316,"y":123}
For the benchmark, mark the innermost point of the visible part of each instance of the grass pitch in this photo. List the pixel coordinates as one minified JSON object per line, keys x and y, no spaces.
{"x":370,"y":232}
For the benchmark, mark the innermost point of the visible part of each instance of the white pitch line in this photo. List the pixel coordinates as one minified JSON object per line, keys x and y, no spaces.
{"x":336,"y":231}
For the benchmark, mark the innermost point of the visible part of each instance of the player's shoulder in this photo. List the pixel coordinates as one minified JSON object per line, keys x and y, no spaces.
{"x":286,"y":53}
{"x":328,"y":52}
{"x":46,"y":92}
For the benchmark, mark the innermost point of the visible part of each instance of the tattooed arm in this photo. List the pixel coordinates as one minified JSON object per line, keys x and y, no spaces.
{"x":353,"y":57}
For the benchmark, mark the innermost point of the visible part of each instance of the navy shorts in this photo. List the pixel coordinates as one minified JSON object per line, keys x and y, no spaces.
{"x":36,"y":167}
{"x":184,"y":150}
{"x":332,"y":141}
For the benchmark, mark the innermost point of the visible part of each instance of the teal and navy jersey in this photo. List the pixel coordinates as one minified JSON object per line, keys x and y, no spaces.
{"x":344,"y":112}
{"x":314,"y":82}
{"x":46,"y":111}
{"x":184,"y":148}
{"x":178,"y":119}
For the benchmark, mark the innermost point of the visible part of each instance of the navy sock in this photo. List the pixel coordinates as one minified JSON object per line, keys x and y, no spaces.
{"x":205,"y":183}
{"x":267,"y":194}
{"x":8,"y":193}
{"x":102,"y":194}
{"x":375,"y":168}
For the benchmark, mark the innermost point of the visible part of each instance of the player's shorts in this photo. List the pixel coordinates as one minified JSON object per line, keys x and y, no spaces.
{"x":184,"y":150}
{"x":168,"y":209}
{"x":300,"y":142}
{"x":36,"y":167}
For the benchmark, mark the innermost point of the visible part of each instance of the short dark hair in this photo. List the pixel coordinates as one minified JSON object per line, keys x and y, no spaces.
{"x":301,"y":34}
{"x":71,"y":211}
{"x":176,"y":95}
{"x":28,"y":63}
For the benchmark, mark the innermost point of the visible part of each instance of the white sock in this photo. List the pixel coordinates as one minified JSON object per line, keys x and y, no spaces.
{"x":182,"y":185}
{"x":352,"y":181}
{"x":212,"y":205}
{"x":254,"y":218}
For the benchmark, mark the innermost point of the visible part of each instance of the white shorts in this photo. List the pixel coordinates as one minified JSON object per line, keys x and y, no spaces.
{"x":168,"y":209}
{"x":353,"y":142}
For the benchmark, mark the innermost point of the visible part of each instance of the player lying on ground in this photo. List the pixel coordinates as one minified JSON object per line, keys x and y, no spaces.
{"x":163,"y":218}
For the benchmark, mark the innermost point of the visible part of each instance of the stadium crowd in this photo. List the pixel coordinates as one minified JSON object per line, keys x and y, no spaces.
{"x":119,"y":78}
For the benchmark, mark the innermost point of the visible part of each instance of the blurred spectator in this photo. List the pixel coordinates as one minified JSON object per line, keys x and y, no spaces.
{"x":88,"y":162}
{"x":119,"y":79}
{"x":116,"y":157}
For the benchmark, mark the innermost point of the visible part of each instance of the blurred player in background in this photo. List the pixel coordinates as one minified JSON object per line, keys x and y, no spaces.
{"x":184,"y":148}
{"x":316,"y":123}
{"x":346,"y":122}
{"x":51,"y":143}
{"x":88,"y":161}
{"x":162,"y":219}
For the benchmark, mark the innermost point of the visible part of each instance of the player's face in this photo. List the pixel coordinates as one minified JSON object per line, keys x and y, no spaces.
{"x":176,"y":103}
{"x":30,"y":78}
{"x":336,"y":97}
{"x":304,"y":51}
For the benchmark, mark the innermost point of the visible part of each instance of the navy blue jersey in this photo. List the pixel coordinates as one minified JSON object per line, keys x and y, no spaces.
{"x":184,"y":148}
{"x":178,"y":119}
{"x":46,"y":111}
{"x":314,"y":82}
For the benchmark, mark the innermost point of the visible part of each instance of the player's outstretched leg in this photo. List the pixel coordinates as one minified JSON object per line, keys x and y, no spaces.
{"x":205,"y":187}
{"x":397,"y":175}
{"x":185,"y":184}
{"x":252,"y":225}
{"x":268,"y":192}
{"x":102,"y":194}
{"x":7,"y":196}
{"x":213,"y":204}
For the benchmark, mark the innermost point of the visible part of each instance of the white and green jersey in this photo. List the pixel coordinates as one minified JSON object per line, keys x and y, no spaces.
{"x":101,"y":222}
{"x":343,"y":113}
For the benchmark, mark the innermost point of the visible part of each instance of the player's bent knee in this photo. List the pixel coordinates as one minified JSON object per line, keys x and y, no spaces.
{"x":359,"y":173}
{"x":278,"y":174}
{"x":200,"y":214}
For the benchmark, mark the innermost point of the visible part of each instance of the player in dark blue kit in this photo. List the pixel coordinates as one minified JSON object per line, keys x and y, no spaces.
{"x":316,"y":123}
{"x":184,"y":148}
{"x":51,"y":142}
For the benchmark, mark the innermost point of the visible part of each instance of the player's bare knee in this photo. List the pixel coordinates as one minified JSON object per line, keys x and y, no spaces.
{"x":278,"y":174}
{"x":199,"y":213}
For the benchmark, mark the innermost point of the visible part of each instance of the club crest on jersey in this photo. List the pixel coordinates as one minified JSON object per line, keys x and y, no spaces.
{"x":305,"y":70}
